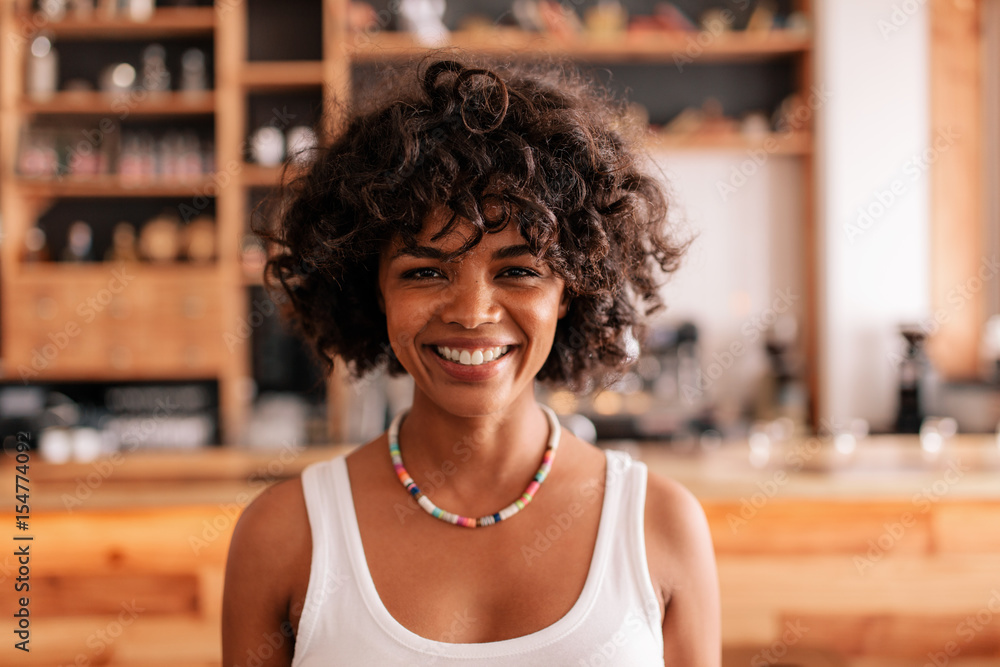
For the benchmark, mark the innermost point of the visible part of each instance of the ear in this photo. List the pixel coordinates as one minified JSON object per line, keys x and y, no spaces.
{"x":380,"y":298}
{"x":564,"y":303}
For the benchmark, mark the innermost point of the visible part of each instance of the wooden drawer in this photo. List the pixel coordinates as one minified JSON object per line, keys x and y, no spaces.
{"x":56,"y":328}
{"x":96,"y":322}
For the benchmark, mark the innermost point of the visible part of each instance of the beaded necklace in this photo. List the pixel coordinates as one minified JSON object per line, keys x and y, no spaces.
{"x":489,"y":519}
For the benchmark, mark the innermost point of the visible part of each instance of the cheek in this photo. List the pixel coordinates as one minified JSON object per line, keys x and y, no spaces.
{"x":541,"y":318}
{"x":404,"y":318}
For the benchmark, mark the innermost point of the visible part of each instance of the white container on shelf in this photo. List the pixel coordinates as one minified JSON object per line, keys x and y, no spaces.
{"x":42,"y":75}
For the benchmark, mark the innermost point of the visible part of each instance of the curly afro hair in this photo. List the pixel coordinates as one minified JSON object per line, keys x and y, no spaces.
{"x":542,"y":144}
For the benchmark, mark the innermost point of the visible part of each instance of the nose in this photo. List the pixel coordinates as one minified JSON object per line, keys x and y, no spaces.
{"x":470,"y":303}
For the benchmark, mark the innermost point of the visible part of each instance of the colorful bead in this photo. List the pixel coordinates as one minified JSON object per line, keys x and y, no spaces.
{"x":489,"y":519}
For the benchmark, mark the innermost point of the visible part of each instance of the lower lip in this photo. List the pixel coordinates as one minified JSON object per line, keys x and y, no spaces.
{"x":471,"y":373}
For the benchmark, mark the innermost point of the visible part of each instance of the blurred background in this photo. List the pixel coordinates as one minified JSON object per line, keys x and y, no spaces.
{"x":825,"y":378}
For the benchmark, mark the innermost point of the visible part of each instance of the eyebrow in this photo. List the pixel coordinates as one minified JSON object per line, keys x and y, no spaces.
{"x":429,"y":252}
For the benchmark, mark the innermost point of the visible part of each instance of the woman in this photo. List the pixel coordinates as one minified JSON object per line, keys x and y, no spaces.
{"x":480,"y":228}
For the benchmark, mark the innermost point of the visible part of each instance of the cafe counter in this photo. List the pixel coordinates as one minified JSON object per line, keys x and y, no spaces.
{"x":874,"y":552}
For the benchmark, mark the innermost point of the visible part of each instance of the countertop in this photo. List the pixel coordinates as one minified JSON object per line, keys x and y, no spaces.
{"x":879,"y":468}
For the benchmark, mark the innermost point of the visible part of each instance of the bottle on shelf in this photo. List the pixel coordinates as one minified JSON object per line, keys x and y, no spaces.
{"x":42,"y":75}
{"x":79,"y":243}
{"x":155,"y":75}
{"x":123,"y":244}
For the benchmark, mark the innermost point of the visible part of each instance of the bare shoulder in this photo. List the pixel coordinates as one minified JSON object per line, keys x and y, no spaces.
{"x":673,"y":515}
{"x":678,"y":541}
{"x":268,"y":565}
{"x":276,"y":519}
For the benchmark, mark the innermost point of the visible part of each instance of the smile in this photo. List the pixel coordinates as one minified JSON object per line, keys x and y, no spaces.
{"x":471,"y":357}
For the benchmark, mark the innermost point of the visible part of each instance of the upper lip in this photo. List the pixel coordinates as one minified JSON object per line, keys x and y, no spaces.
{"x":471,"y":343}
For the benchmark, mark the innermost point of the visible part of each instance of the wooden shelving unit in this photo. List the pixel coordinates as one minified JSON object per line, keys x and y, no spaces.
{"x":268,"y":76}
{"x":202,"y":346}
{"x":165,"y":22}
{"x":109,"y":186}
{"x":98,"y":104}
{"x":106,"y":321}
{"x":793,"y":143}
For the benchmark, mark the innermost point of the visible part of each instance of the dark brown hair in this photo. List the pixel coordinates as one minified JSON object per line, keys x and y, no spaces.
{"x":541,"y":143}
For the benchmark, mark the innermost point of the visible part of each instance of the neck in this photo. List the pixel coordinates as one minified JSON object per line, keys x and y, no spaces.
{"x":464,"y":458}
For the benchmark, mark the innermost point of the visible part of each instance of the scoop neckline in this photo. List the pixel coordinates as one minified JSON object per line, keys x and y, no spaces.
{"x":500,"y":648}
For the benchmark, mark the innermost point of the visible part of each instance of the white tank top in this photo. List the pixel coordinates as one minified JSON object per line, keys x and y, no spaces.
{"x":615,"y":621}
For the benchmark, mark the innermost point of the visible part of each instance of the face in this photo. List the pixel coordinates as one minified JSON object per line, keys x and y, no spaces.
{"x":473,"y":332}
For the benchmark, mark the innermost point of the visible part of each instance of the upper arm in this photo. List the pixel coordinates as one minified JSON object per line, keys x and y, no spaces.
{"x":682,"y":563}
{"x":267,"y":546}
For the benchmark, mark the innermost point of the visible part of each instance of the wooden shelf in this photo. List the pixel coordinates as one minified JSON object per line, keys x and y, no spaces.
{"x":112,"y":186}
{"x":60,"y":272}
{"x":165,"y":22}
{"x":122,"y":104}
{"x":651,"y":47}
{"x":256,"y":176}
{"x":795,"y":143}
{"x":282,"y":75}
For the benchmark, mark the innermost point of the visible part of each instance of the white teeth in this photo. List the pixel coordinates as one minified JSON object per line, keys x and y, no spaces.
{"x":473,"y":358}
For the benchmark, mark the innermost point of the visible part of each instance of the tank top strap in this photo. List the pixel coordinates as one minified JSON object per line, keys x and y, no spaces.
{"x":323,"y":485}
{"x":629,"y":555}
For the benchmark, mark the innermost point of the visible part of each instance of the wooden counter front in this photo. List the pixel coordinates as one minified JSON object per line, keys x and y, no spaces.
{"x":886,"y":556}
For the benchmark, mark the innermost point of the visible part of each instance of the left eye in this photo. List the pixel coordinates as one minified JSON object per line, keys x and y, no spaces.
{"x":519,"y":272}
{"x":424,"y":272}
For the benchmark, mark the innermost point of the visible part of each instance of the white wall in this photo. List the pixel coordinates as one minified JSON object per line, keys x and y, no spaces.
{"x":873,"y":58}
{"x":874,"y":273}
{"x":747,"y":253}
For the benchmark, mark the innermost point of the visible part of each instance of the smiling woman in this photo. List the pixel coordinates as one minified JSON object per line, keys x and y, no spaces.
{"x":478,"y":226}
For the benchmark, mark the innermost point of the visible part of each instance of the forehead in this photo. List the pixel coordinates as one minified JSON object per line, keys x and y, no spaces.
{"x":460,"y":232}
